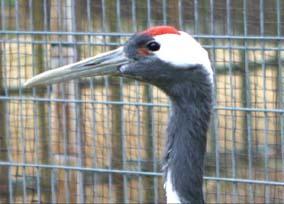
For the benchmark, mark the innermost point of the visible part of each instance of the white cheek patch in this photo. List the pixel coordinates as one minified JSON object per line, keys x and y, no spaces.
{"x":182,"y":51}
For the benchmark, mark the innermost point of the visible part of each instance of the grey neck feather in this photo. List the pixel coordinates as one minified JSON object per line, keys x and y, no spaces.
{"x":187,"y":128}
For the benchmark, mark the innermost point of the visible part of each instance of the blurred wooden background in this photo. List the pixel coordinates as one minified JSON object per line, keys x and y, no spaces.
{"x":113,"y":123}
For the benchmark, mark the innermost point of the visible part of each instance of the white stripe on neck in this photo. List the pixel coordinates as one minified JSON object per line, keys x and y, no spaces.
{"x":171,"y":194}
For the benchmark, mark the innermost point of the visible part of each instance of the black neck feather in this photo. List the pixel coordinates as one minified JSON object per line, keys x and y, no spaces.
{"x":191,"y":98}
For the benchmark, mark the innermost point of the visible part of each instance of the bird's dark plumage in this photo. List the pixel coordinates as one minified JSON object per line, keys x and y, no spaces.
{"x":173,"y":61}
{"x":187,"y":128}
{"x":190,"y":91}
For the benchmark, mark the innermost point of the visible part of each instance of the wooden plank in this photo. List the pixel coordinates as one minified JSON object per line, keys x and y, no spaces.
{"x":38,"y":65}
{"x":116,"y":111}
{"x":4,"y":176}
{"x":63,"y":122}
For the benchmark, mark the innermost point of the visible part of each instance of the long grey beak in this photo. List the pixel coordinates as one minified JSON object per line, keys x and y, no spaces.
{"x":103,"y":64}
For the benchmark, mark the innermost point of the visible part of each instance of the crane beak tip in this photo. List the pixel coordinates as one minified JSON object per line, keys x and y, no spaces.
{"x":26,"y":85}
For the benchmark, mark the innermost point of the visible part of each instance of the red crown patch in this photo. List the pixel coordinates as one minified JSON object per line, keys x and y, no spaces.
{"x":160,"y":30}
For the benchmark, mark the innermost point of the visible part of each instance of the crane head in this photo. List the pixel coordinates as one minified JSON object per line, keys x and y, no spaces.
{"x":158,"y":55}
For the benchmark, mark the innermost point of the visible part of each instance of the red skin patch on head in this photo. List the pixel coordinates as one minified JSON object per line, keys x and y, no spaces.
{"x":160,"y":30}
{"x":143,"y":51}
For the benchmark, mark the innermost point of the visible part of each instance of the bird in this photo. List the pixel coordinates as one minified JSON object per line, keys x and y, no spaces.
{"x":176,"y":63}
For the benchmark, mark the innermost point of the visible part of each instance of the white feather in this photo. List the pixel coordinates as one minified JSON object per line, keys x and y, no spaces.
{"x":182,"y":51}
{"x":171,"y":194}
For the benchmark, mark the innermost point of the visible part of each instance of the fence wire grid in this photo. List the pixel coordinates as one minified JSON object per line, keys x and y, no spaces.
{"x":101,"y":139}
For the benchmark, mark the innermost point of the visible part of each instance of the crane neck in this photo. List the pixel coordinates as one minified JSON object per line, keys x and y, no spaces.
{"x":186,"y":145}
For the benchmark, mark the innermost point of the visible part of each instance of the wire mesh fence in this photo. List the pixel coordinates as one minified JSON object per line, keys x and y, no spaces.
{"x":101,"y":139}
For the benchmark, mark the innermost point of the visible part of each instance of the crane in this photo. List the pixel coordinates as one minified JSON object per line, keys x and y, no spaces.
{"x":176,"y":63}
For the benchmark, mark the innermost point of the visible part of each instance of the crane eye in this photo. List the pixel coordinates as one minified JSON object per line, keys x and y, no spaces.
{"x":153,"y":46}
